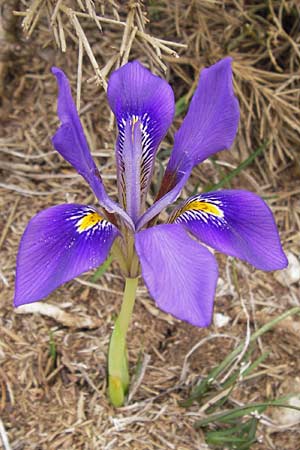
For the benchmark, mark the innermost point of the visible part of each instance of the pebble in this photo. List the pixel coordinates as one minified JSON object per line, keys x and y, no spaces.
{"x":291,"y":274}
{"x":220,"y":320}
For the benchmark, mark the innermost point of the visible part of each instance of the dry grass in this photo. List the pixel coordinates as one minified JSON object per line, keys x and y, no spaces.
{"x":58,"y":402}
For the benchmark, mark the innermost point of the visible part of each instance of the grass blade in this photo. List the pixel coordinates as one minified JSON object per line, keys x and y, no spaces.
{"x":206,"y":383}
{"x":244,"y":164}
{"x":102,"y":269}
{"x":242,"y":411}
{"x":181,"y":106}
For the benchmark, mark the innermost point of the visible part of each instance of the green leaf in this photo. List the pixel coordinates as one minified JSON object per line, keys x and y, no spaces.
{"x":231,"y":415}
{"x":242,"y":374}
{"x":255,"y":364}
{"x":181,"y":106}
{"x":221,"y":439}
{"x":237,"y":170}
{"x":239,"y":437}
{"x":221,"y":402}
{"x":52,"y":348}
{"x":158,"y":179}
{"x":102,"y":269}
{"x":205,"y":384}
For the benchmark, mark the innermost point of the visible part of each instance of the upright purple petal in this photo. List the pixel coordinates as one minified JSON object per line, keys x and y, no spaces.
{"x":132,"y":158}
{"x":59,"y":244}
{"x":69,"y":139}
{"x":137,"y":96}
{"x":71,"y":143}
{"x":212,"y":119}
{"x":181,"y":274}
{"x":238,"y":223}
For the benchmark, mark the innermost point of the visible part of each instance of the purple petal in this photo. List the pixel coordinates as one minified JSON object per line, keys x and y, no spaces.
{"x":136,"y":95}
{"x":69,"y":139}
{"x":71,"y":143}
{"x":176,"y":183}
{"x":238,"y":223}
{"x":181,"y":274}
{"x":59,"y":244}
{"x":131,"y":162}
{"x":212,"y":119}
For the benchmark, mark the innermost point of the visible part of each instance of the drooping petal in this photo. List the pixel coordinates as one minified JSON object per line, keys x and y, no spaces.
{"x":212,"y":119}
{"x":70,"y":142}
{"x":59,"y":244}
{"x":180,"y":274}
{"x":238,"y":223}
{"x":137,"y":96}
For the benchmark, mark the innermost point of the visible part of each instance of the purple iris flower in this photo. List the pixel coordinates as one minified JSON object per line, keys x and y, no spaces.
{"x":66,"y":240}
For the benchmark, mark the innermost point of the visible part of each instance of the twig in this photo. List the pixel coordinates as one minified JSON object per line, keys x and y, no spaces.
{"x":66,"y":319}
{"x":4,"y":437}
{"x":137,"y":382}
{"x":81,"y":36}
{"x":245,"y":347}
{"x":79,"y":74}
{"x":8,"y":222}
{"x":198,"y":345}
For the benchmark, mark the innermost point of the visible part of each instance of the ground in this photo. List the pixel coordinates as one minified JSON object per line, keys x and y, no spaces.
{"x":53,"y":372}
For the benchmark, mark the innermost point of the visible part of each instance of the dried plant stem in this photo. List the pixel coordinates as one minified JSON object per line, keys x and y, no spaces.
{"x":4,"y":437}
{"x":82,"y":37}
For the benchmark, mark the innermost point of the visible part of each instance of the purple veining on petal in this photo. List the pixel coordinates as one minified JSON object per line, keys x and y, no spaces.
{"x":212,"y":119}
{"x":70,"y":142}
{"x":238,"y":223}
{"x":132,"y":156}
{"x":59,"y":244}
{"x":136,"y":95}
{"x":180,"y":273}
{"x":180,"y":179}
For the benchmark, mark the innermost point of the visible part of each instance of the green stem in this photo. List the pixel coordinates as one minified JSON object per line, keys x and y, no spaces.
{"x":128,"y":303}
{"x":118,"y":377}
{"x":118,"y":255}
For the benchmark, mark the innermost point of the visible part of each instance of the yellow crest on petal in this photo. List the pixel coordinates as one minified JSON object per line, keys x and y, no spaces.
{"x":88,"y":221}
{"x":197,"y":205}
{"x":200,"y":205}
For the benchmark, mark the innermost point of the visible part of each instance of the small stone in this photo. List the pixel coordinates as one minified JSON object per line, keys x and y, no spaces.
{"x":286,"y":416}
{"x":291,"y":274}
{"x":220,"y":320}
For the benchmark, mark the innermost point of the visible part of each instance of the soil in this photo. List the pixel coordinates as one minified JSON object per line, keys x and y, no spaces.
{"x":53,"y":377}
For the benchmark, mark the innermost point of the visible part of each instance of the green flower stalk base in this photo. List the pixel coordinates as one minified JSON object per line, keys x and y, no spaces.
{"x":118,"y":376}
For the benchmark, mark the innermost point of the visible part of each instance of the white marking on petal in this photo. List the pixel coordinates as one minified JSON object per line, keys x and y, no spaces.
{"x":212,"y":211}
{"x":147,"y":126}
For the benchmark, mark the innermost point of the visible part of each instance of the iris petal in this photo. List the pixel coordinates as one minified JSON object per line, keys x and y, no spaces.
{"x":212,"y":119}
{"x":136,"y":95}
{"x":181,"y":274}
{"x":209,"y":126}
{"x":70,"y":140}
{"x":59,"y":244}
{"x":238,"y":223}
{"x":178,"y":181}
{"x":71,"y":143}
